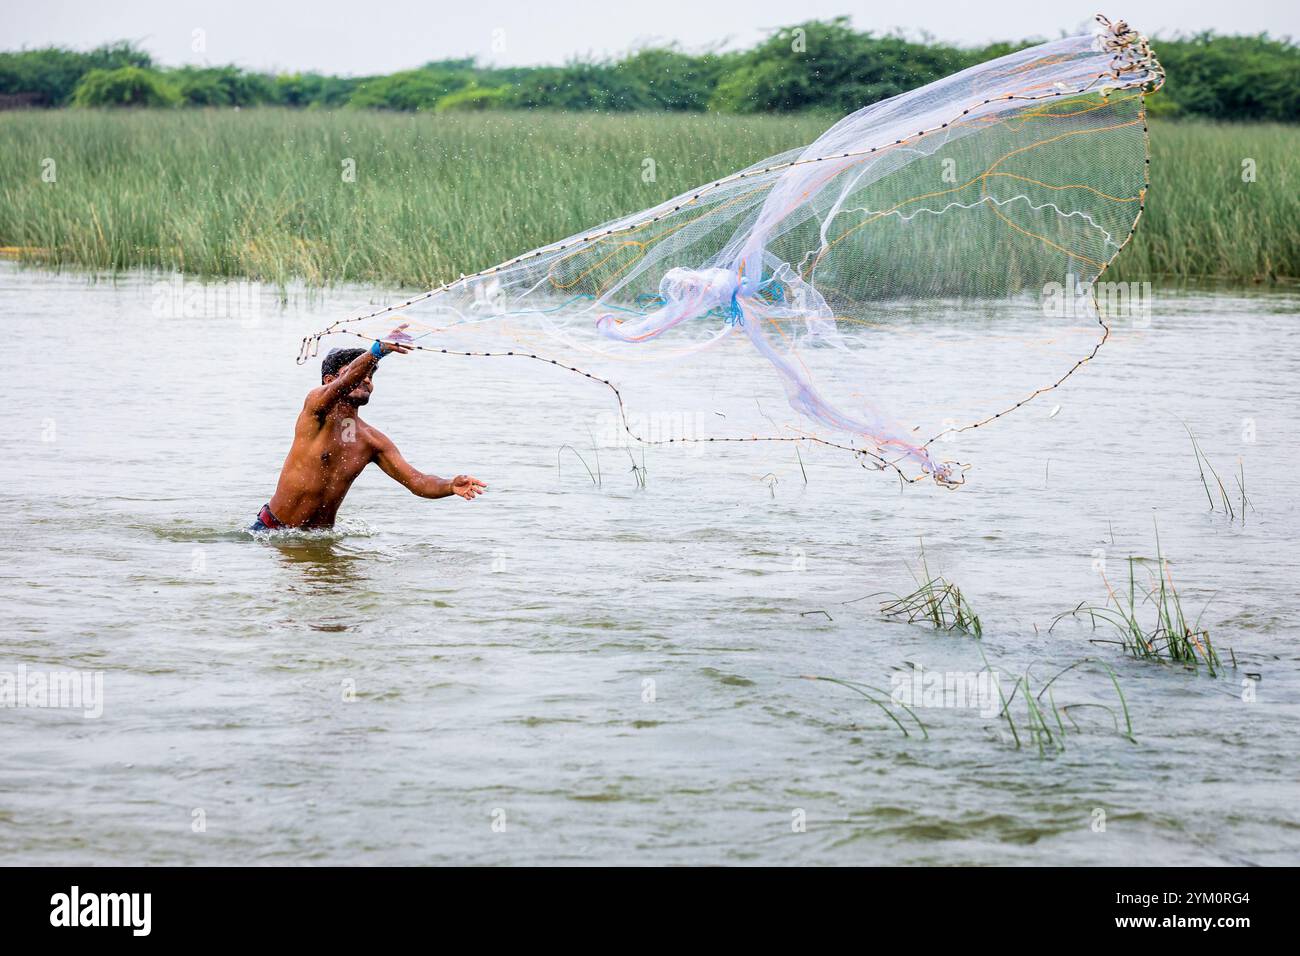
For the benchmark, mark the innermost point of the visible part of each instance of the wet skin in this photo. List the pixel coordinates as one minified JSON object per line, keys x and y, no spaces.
{"x":332,"y":445}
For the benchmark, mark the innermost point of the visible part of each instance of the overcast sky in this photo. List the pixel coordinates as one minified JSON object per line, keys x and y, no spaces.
{"x":380,"y":36}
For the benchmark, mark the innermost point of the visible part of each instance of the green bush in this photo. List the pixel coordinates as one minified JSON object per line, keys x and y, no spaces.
{"x":126,"y":86}
{"x":475,"y":98}
{"x":667,"y":79}
{"x":313,"y":89}
{"x":829,"y":64}
{"x":410,"y":90}
{"x":224,"y":86}
{"x":580,"y":86}
{"x":51,"y":74}
{"x":1161,"y":103}
{"x":1233,"y":78}
{"x":823,"y":66}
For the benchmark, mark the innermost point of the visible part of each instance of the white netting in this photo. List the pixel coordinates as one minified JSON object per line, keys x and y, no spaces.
{"x":965,"y":202}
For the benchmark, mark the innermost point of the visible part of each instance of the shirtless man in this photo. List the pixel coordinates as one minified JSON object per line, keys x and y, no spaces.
{"x":332,"y":445}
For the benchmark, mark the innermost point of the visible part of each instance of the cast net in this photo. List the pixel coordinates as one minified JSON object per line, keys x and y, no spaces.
{"x":921,"y":269}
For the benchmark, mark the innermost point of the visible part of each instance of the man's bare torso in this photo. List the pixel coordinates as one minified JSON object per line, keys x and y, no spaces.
{"x":327,"y":455}
{"x":332,"y":445}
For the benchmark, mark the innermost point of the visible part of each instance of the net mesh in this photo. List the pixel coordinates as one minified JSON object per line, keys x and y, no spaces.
{"x":776,"y":304}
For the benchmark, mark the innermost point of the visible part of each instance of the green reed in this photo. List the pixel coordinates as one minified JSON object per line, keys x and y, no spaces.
{"x":935,"y":601}
{"x":1224,"y":502}
{"x":1149,"y":620}
{"x":1045,"y":734}
{"x":881,"y":699}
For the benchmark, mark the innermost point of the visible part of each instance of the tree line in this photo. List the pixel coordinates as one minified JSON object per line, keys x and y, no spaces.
{"x":817,"y":65}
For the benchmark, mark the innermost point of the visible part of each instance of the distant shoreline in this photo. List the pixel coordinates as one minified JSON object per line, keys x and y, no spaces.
{"x":822,"y":65}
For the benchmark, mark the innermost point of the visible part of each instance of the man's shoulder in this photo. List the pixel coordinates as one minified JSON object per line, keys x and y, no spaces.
{"x":373,"y":435}
{"x":311,"y":404}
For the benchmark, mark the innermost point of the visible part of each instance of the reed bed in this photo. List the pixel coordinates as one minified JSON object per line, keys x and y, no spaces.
{"x":265,"y":193}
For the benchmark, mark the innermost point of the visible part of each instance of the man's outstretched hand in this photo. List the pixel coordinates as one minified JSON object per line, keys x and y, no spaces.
{"x":467,"y":487}
{"x":396,"y":341}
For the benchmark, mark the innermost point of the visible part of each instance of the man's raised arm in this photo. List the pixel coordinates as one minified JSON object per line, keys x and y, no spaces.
{"x":321,"y":400}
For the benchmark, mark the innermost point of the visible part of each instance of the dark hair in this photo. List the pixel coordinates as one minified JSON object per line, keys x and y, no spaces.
{"x":336,"y":359}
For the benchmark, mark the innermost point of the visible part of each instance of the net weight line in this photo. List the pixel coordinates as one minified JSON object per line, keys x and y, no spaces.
{"x":877,"y":462}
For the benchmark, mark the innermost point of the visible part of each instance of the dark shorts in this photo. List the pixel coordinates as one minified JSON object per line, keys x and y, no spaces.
{"x":265,"y":521}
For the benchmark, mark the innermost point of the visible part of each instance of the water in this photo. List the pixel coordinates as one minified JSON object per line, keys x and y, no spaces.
{"x":580,"y":674}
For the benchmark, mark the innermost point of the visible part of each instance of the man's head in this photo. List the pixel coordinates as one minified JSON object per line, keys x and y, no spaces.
{"x":334,"y":362}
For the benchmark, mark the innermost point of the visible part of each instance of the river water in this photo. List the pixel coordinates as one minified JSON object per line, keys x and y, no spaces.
{"x":565,"y":671}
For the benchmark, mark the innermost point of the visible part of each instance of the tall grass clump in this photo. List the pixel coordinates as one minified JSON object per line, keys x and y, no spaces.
{"x":1148,"y":618}
{"x":1042,"y":724}
{"x":935,"y":601}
